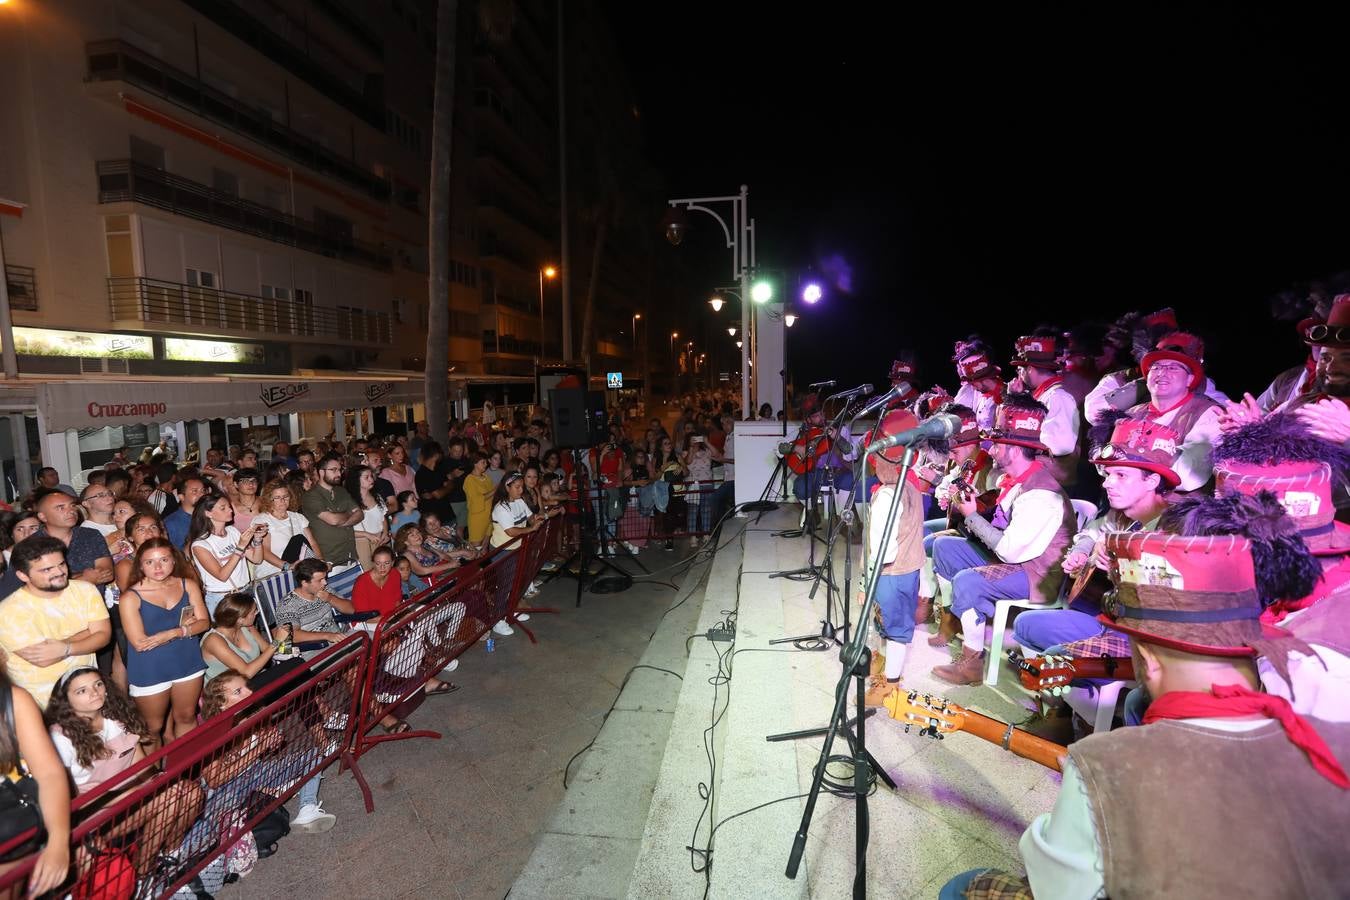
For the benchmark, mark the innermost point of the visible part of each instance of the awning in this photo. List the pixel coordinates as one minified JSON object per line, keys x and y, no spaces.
{"x":95,"y":403}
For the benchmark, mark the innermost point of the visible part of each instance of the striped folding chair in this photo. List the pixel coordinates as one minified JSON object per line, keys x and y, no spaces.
{"x":267,"y":593}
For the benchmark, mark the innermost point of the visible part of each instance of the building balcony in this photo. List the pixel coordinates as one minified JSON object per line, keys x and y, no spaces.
{"x":123,"y":180}
{"x":22,"y":285}
{"x":493,"y":201}
{"x":499,"y":298}
{"x":507,"y":345}
{"x":119,"y":61}
{"x":138,"y":302}
{"x":493,"y":248}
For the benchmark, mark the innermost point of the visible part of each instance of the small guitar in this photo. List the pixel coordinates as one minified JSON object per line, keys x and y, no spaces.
{"x":963,"y":486}
{"x":807,"y":451}
{"x":936,"y":718}
{"x":1053,"y":674}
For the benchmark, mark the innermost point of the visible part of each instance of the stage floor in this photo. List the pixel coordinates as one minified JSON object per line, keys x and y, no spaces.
{"x":959,"y":803}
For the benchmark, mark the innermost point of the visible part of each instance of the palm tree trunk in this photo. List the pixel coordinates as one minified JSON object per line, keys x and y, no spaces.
{"x":588,"y":319}
{"x":438,"y":224}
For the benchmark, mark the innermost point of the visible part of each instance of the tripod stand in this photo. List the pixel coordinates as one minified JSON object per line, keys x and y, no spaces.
{"x":856,"y":659}
{"x":585,"y":555}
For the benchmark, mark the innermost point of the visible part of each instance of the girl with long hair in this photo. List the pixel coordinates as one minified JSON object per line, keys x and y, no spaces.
{"x":218,"y":549}
{"x":426,"y":564}
{"x":372,"y":531}
{"x":163,"y":613}
{"x":494,"y":471}
{"x":233,"y":644}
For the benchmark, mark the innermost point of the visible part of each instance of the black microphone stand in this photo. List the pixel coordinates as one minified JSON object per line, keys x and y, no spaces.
{"x":857,"y":661}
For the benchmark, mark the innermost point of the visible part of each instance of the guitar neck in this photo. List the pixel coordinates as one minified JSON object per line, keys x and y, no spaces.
{"x":1025,"y":745}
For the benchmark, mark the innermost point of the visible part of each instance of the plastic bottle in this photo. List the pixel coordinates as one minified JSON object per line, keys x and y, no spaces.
{"x":491,"y":644}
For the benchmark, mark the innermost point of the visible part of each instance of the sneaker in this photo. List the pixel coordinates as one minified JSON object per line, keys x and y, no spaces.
{"x":670,"y":545}
{"x":693,"y":541}
{"x":535,"y":586}
{"x":631,"y":548}
{"x":522,"y":617}
{"x":336,"y":722}
{"x":313,"y":820}
{"x":502,"y":628}
{"x":454,"y":664}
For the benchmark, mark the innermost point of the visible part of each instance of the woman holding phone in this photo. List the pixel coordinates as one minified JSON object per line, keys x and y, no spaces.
{"x":218,"y":549}
{"x":163,"y":613}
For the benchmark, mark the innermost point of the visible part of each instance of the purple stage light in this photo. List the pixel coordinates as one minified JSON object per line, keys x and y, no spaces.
{"x":811,"y":293}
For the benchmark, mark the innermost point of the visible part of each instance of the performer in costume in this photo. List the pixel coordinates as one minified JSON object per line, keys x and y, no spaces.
{"x":1018,"y":554}
{"x":1183,"y":806}
{"x":1040,"y":372}
{"x":986,"y":380}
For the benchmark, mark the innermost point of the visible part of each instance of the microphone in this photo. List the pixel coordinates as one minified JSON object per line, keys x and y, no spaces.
{"x":823,"y":384}
{"x":881,"y":401}
{"x":941,"y":427}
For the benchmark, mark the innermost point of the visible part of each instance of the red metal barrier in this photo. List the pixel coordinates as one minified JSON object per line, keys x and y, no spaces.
{"x":180,"y":812}
{"x":532,"y":556}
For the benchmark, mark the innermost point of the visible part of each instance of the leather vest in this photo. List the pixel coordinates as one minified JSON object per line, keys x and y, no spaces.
{"x":1186,"y":811}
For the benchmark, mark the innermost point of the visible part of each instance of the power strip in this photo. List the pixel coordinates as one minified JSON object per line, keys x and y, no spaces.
{"x":721,"y":634}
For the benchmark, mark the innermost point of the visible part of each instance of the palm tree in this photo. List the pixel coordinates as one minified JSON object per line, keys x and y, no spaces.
{"x":438,"y":223}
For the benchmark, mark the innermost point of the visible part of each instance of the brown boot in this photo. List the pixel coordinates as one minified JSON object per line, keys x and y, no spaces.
{"x":923,"y":611}
{"x":1054,"y":724}
{"x":949,"y":626}
{"x":878,"y":689}
{"x":969,"y":669}
{"x":878,"y":668}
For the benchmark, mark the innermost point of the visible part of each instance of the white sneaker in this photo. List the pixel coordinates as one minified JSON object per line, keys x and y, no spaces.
{"x":454,"y":664}
{"x":523,"y":617}
{"x":336,"y":722}
{"x":502,"y":628}
{"x":313,"y":820}
{"x":632,"y":548}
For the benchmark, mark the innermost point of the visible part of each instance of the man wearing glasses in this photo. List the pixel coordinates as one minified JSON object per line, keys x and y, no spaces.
{"x":332,"y":512}
{"x":98,"y":501}
{"x":1175,"y":374}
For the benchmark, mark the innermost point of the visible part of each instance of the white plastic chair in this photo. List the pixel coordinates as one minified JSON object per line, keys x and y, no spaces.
{"x":1098,"y":704}
{"x":1084,"y":511}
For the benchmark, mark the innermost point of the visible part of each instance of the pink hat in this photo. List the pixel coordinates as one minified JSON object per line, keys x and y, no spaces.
{"x":887,"y":462}
{"x":1037,"y":350}
{"x":1303,"y":489}
{"x":976,"y":365}
{"x":1018,"y":424}
{"x":1142,"y":445}
{"x":1181,"y":347}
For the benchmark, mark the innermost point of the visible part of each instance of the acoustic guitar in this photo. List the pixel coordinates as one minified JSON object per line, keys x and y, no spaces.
{"x":1053,"y":674}
{"x":806,"y":451}
{"x":936,"y":718}
{"x":963,"y":486}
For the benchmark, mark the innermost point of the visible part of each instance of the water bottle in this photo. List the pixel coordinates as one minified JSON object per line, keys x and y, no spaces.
{"x":491,"y":644}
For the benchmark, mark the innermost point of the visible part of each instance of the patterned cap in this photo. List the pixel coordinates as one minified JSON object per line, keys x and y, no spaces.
{"x":1196,"y":594}
{"x":1041,"y":351}
{"x":902,"y":371}
{"x":1181,"y":347}
{"x":1014,"y":424}
{"x":976,"y":365}
{"x":1142,"y":445}
{"x":969,"y":433}
{"x":887,"y":462}
{"x":1304,"y":489}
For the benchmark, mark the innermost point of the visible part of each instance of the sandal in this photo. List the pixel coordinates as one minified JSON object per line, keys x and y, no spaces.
{"x":442,"y":687}
{"x":401,"y":728}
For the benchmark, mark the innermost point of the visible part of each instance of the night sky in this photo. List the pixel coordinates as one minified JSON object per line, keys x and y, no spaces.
{"x":996,"y":170}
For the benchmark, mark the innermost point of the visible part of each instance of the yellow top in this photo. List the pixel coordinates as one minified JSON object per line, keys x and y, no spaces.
{"x":478,"y":491}
{"x":27,"y":618}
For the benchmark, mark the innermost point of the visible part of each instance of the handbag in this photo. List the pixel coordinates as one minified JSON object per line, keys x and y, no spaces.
{"x":19,"y":810}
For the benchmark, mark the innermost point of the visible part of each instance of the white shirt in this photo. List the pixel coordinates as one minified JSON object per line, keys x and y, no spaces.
{"x":1059,"y":431}
{"x":966,"y":395}
{"x":509,"y":514}
{"x":1060,"y":849}
{"x":82,"y":775}
{"x":217,"y":545}
{"x":104,"y":530}
{"x":1033,"y":519}
{"x":1196,"y":463}
{"x":372,"y":520}
{"x":279,"y":534}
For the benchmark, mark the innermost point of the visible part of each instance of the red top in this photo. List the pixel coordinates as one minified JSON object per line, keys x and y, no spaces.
{"x":367,"y":596}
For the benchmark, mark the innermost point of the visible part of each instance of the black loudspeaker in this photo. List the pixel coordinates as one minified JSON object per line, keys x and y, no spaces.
{"x":578,"y":417}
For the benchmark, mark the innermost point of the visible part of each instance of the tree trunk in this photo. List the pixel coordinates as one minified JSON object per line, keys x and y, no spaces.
{"x":588,"y":318}
{"x":438,"y":224}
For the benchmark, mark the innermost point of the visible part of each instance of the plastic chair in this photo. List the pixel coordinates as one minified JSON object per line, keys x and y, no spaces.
{"x":1084,"y":512}
{"x":1097,"y":704}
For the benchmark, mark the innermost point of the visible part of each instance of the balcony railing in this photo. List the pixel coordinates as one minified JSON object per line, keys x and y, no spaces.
{"x":122,"y":180}
{"x":508,"y":344}
{"x":22,"y":283}
{"x":119,"y":61}
{"x":211,"y":311}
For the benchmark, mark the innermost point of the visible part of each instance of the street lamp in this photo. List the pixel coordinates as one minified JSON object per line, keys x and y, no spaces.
{"x":740,"y":238}
{"x":716,"y":303}
{"x":731,"y":330}
{"x":550,"y":273}
{"x":636,"y":316}
{"x":762,"y":292}
{"x":789,"y":318}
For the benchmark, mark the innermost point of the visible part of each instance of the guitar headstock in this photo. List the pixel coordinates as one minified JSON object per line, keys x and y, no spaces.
{"x":933,"y":716}
{"x":1044,"y":674}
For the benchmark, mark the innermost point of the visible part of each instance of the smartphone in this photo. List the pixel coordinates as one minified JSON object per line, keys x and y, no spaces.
{"x":186,"y":616}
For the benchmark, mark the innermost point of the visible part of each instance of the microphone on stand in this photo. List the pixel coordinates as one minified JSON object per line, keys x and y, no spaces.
{"x":939,"y":427}
{"x":862,"y":390}
{"x":879,"y":402}
{"x":823,"y":384}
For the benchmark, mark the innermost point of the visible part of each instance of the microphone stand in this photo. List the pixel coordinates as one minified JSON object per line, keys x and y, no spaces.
{"x":857,"y":660}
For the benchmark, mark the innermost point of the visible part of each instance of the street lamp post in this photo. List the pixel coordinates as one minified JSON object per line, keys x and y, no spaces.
{"x":550,"y":273}
{"x":740,"y":237}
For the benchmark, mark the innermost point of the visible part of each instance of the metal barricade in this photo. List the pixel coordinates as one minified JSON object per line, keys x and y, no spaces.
{"x":533,"y":553}
{"x":183,"y":812}
{"x":633,"y":514}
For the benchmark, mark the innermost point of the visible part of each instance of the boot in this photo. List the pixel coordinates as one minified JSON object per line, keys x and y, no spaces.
{"x":878,"y":668}
{"x":923,"y":611}
{"x":948,"y":627}
{"x":1054,"y":723}
{"x":878,"y":689}
{"x":969,"y":669}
